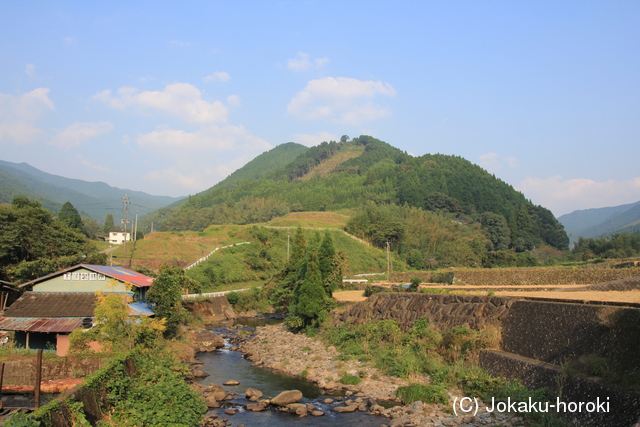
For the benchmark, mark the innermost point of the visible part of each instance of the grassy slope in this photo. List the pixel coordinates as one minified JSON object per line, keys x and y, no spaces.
{"x":187,"y":247}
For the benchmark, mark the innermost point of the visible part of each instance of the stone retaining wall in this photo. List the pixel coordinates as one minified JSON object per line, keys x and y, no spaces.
{"x":443,"y":311}
{"x":23,"y":370}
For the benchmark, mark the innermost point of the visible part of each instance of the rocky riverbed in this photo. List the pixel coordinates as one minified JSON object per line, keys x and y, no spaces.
{"x":297,"y":354}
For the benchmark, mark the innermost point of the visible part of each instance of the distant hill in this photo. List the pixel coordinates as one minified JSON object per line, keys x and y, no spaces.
{"x":602,"y":222}
{"x":96,"y":199}
{"x":351,"y":174}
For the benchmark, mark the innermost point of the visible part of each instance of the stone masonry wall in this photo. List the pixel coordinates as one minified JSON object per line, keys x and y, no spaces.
{"x":443,"y":311}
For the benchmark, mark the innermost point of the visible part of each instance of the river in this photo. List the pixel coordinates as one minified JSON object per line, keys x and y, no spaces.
{"x":224,"y":365}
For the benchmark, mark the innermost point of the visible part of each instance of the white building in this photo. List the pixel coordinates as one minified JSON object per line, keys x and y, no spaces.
{"x":118,"y":237}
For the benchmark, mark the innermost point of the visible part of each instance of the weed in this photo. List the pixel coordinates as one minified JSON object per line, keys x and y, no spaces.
{"x":350,"y":379}
{"x":433,"y":393}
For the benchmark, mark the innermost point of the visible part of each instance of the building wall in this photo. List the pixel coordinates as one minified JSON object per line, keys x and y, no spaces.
{"x":62,"y":344}
{"x":81,"y":280}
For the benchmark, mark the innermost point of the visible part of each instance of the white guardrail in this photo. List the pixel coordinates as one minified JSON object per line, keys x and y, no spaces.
{"x":206,"y":257}
{"x":214,"y":294}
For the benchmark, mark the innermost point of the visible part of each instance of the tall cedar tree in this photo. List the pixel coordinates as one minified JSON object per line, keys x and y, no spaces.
{"x":70,"y":216}
{"x":326,"y":263}
{"x":109,"y":224}
{"x":310,"y":295}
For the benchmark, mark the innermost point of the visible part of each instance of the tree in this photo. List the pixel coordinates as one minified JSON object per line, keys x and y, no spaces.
{"x":326,"y":256}
{"x":115,"y":329}
{"x":109,"y":224}
{"x":310,"y":296}
{"x":70,"y":216}
{"x":29,"y":233}
{"x":497,"y":230}
{"x":166,"y":292}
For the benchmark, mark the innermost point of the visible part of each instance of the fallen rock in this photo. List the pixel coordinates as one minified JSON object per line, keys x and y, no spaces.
{"x":254,"y":407}
{"x":230,"y":412}
{"x":287,"y":397}
{"x":231,"y":382}
{"x":317,"y":413}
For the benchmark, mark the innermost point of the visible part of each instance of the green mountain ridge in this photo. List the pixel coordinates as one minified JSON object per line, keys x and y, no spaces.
{"x":96,"y":199}
{"x":602,"y":222}
{"x":383,"y":175}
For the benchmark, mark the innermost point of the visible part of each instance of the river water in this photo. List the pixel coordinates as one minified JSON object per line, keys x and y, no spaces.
{"x":224,"y":365}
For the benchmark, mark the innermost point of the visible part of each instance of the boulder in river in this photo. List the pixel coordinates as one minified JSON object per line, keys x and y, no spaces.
{"x":253,"y":394}
{"x":205,"y":340}
{"x":287,"y":397}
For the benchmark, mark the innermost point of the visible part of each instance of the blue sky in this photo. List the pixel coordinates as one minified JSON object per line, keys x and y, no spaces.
{"x":171,"y":97}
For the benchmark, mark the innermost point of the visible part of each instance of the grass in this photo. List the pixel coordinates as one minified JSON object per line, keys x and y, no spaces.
{"x":448,"y":357}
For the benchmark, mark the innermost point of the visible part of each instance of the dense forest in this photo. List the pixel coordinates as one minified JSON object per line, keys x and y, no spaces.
{"x":620,"y":245}
{"x":472,"y":214}
{"x":34,"y":242}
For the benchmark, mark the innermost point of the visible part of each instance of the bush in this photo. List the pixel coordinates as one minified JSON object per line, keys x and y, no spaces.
{"x":350,"y":379}
{"x":433,"y":393}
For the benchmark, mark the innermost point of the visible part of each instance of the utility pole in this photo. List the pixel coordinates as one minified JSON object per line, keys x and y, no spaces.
{"x":388,"y":260}
{"x":125,"y":203}
{"x":135,"y":228}
{"x":288,"y":238}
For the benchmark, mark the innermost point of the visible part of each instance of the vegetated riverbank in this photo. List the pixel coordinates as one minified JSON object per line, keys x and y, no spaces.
{"x":297,"y":354}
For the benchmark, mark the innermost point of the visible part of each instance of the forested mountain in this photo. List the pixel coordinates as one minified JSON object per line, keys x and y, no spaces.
{"x":266,"y":162}
{"x":96,"y":199}
{"x":602,"y":222}
{"x":386,"y":186}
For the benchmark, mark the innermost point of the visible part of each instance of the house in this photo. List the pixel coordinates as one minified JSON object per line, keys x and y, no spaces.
{"x":54,"y":305}
{"x":118,"y":237}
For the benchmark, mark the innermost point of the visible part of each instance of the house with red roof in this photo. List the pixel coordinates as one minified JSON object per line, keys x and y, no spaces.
{"x":54,"y":305}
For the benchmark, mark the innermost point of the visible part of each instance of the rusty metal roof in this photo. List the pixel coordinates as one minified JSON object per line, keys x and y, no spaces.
{"x":40,"y":324}
{"x":116,"y":272}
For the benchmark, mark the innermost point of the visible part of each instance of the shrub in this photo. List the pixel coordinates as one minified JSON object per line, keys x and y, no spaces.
{"x":350,"y":379}
{"x":433,"y":393}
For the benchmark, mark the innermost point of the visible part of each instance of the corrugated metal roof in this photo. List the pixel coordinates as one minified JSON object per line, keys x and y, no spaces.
{"x":140,"y":309}
{"x":119,"y":273}
{"x":40,"y":324}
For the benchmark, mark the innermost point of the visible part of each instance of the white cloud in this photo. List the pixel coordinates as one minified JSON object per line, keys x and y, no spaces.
{"x":342,"y":99}
{"x":200,"y":158}
{"x":30,"y":70}
{"x":303,"y":62}
{"x":494,"y":162}
{"x":176,"y":180}
{"x":234,"y":100}
{"x":93,"y":166}
{"x":311,"y":140}
{"x":178,"y":43}
{"x":18,"y":115}
{"x":78,"y":133}
{"x":567,"y":195}
{"x":178,"y":99}
{"x":218,"y":76}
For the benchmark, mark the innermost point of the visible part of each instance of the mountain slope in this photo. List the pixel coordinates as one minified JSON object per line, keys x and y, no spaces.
{"x":382,"y":174}
{"x":266,"y":162}
{"x":97,"y":199}
{"x":601,"y":222}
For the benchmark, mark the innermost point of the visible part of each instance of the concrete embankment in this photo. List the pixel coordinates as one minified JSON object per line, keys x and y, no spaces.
{"x":538,"y":339}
